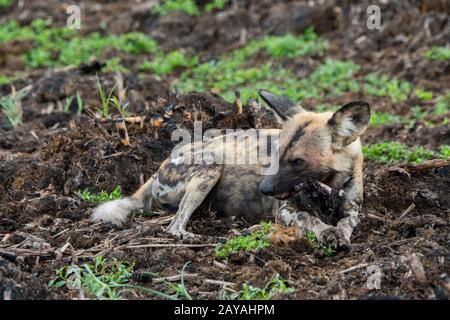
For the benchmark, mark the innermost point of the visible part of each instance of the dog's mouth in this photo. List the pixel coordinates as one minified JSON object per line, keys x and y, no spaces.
{"x":299,"y":188}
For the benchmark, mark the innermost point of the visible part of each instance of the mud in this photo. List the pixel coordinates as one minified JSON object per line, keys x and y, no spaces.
{"x":44,"y":162}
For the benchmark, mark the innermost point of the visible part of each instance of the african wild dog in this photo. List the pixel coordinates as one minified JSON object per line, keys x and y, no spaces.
{"x":322,"y":146}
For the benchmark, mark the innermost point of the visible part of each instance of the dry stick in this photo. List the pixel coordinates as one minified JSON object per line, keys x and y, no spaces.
{"x":417,"y":268}
{"x":238,"y":101}
{"x":396,"y":242}
{"x":430,"y":164}
{"x":359,"y":266}
{"x":166,"y":245}
{"x":27,"y":252}
{"x":219,"y":282}
{"x":404,"y":214}
{"x":408,"y":210}
{"x":375,"y":217}
{"x":121,"y":91}
{"x":175,"y":278}
{"x":60,"y":233}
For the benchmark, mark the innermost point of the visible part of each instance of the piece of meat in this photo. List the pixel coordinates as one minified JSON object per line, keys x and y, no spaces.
{"x":320,"y":200}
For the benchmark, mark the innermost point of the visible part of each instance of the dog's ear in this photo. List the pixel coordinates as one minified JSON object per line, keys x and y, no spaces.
{"x":349,"y":122}
{"x":282,"y":107}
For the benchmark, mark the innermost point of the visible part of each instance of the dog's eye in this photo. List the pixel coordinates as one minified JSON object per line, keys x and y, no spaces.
{"x":298,"y":161}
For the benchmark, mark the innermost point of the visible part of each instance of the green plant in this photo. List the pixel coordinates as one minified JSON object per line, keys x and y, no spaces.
{"x":382,"y":118}
{"x":249,"y":292}
{"x":121,"y":108}
{"x":114,"y":65}
{"x":227,"y":74}
{"x":165,"y":64}
{"x":442,"y":105}
{"x":381,"y":85}
{"x":67,"y":103}
{"x":438,"y":53}
{"x":6,"y":79}
{"x":11,"y":106}
{"x":11,"y":30}
{"x":187,"y":6}
{"x":105,"y":100}
{"x":179,"y":289}
{"x":216,"y":4}
{"x":6,"y":3}
{"x":80,"y":104}
{"x":101,"y":279}
{"x":315,"y":244}
{"x":104,"y":196}
{"x":423,"y":94}
{"x":394,"y":151}
{"x":62,"y":46}
{"x":444,"y":151}
{"x":255,"y":241}
{"x":292,"y":46}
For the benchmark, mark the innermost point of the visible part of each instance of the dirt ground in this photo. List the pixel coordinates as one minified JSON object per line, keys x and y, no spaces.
{"x":44,"y":162}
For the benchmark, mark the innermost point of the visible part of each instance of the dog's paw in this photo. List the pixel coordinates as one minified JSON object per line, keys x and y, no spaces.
{"x":334,"y":238}
{"x":182,"y":234}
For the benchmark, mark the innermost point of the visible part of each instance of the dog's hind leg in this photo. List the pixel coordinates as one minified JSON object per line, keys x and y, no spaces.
{"x":196,"y":191}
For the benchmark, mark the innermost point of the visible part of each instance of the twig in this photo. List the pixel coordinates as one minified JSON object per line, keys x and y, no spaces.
{"x":238,"y":102}
{"x":375,"y":217}
{"x":60,"y":233}
{"x":430,"y":164}
{"x":219,"y":282}
{"x":166,"y":245}
{"x":417,"y":268}
{"x":27,"y":252}
{"x":404,"y":214}
{"x":359,"y":266}
{"x":408,"y":210}
{"x":175,"y":278}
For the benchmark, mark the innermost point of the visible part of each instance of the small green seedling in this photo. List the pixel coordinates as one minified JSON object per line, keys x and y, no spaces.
{"x":6,"y":79}
{"x":11,"y":106}
{"x":442,"y":104}
{"x":378,"y":118}
{"x":387,"y":152}
{"x":101,"y":279}
{"x":249,"y":292}
{"x":107,"y":279}
{"x":438,"y":53}
{"x":105,"y":100}
{"x":166,"y":64}
{"x":67,"y":103}
{"x":6,"y":3}
{"x":382,"y":85}
{"x":179,"y":289}
{"x":255,"y":241}
{"x":326,"y":250}
{"x":104,"y":196}
{"x":121,"y":108}
{"x":80,"y":104}
{"x":423,"y":94}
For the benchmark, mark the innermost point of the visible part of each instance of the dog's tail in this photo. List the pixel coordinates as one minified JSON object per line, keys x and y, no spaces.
{"x":117,"y":211}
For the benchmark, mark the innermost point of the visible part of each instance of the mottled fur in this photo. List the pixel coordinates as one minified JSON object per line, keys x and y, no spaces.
{"x":322,"y":146}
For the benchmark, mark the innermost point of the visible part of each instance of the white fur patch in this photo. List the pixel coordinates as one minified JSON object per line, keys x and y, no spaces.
{"x":347,"y":127}
{"x":115,"y":211}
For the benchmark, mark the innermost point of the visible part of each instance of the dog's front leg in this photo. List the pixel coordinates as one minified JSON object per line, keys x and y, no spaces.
{"x":196,"y":191}
{"x":326,"y":234}
{"x":352,"y":205}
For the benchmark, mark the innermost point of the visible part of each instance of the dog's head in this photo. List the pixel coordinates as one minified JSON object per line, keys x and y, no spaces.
{"x":314,"y":145}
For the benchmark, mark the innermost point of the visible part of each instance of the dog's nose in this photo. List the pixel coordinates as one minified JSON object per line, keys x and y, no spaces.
{"x":266,"y":188}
